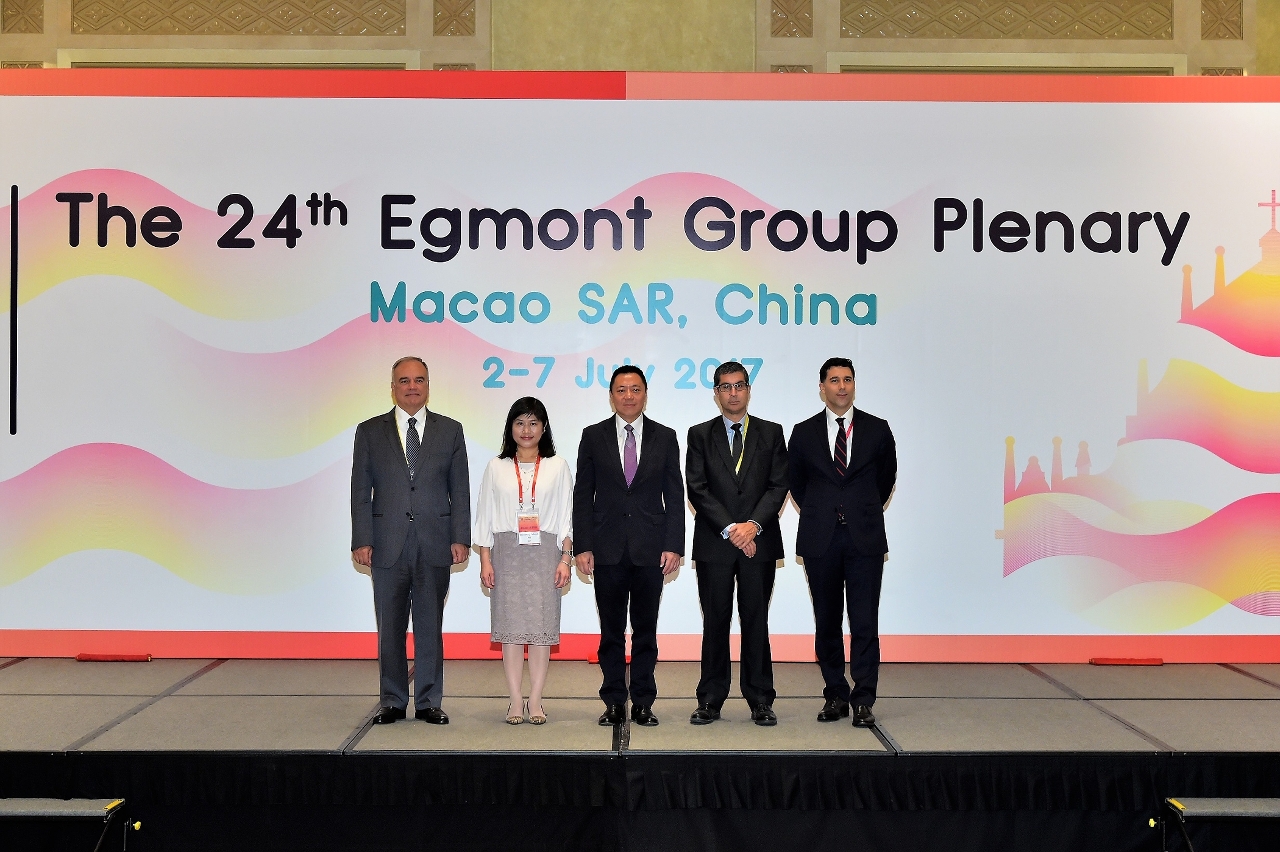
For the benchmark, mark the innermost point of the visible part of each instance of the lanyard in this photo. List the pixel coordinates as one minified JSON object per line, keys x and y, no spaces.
{"x":533,"y":486}
{"x":738,"y":466}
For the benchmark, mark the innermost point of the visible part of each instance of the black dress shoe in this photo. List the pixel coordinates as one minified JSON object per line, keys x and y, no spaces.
{"x":387,"y":715}
{"x":614,"y":714}
{"x":863,"y":717}
{"x":704,"y":715}
{"x":834,"y":710}
{"x":764,"y":716}
{"x":432,"y":716}
{"x":643,"y":716}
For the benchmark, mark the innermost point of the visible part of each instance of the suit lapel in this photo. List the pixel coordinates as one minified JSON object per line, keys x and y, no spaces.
{"x":646,"y":456}
{"x":720,"y":442}
{"x":609,"y":434}
{"x":392,"y":434}
{"x":857,"y":443}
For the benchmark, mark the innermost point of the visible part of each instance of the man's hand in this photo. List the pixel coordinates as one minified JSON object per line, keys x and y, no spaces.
{"x":363,"y":556}
{"x":741,"y":534}
{"x":750,"y":550}
{"x":461,"y":553}
{"x":586,"y":562}
{"x":670,"y":562}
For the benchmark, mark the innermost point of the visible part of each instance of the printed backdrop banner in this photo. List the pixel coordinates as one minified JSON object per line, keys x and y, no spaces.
{"x":1067,"y":309}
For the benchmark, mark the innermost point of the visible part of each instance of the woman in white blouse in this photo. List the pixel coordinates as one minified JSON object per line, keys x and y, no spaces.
{"x":524,"y":530}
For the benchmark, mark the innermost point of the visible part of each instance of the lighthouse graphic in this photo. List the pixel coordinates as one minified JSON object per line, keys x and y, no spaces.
{"x":1186,"y":519}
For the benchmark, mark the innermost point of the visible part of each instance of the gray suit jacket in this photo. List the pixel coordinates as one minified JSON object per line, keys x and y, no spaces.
{"x":384,"y":499}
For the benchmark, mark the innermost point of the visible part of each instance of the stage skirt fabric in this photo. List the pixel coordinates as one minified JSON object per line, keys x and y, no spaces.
{"x":525,"y":604}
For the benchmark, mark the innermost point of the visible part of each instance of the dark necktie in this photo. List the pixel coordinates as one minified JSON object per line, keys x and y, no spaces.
{"x":842,"y":447}
{"x":629,"y":460}
{"x":412,"y":444}
{"x":737,"y":447}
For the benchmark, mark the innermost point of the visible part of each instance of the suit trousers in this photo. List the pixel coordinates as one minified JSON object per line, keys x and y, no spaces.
{"x":410,"y":584}
{"x":715,"y":593}
{"x":619,"y":588}
{"x":839,"y":577}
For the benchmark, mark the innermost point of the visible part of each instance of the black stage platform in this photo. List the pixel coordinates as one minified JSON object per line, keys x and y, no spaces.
{"x":280,"y":756}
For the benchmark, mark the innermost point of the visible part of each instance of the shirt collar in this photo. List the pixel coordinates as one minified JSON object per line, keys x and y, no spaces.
{"x":831,"y":418}
{"x":402,"y":417}
{"x":728,"y":424}
{"x":621,"y":425}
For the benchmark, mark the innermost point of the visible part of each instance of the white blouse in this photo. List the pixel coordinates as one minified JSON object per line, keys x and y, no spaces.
{"x":499,"y":501}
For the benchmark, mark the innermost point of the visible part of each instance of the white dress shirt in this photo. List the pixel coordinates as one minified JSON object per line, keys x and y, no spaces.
{"x":638,"y":429}
{"x":833,"y":428}
{"x":402,"y":425}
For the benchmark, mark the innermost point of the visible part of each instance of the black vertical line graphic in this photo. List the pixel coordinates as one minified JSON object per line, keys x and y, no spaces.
{"x":13,"y":309}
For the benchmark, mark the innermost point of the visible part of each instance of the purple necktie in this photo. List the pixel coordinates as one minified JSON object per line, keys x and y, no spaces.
{"x":629,"y":463}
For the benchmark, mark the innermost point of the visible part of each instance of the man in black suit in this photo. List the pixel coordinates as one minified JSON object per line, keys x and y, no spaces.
{"x":628,"y":530}
{"x":410,"y":519}
{"x":843,"y":465}
{"x":736,"y":468}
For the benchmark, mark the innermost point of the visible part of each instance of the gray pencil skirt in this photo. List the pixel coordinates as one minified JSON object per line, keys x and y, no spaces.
{"x":524,"y":604}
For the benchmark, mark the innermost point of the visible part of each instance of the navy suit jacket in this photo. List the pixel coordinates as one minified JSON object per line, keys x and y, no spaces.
{"x":860,"y":494}
{"x":611,"y":519}
{"x":383,"y":497}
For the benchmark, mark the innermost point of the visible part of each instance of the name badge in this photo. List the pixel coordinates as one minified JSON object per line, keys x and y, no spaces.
{"x":527,"y":529}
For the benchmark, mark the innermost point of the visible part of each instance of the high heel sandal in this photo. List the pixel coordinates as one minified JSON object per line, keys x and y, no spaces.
{"x":540,"y":719}
{"x":517,"y":720}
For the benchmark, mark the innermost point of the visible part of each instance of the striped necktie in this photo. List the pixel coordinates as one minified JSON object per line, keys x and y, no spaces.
{"x":842,"y":447}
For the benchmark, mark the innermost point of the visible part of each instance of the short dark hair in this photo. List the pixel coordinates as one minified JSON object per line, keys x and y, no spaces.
{"x":728,"y":368}
{"x":522,"y":406}
{"x":628,"y":368}
{"x":834,"y":362}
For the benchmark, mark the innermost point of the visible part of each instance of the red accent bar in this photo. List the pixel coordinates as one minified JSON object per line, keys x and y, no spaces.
{"x":1126,"y":661}
{"x":618,"y":85}
{"x":317,"y":83}
{"x":113,"y":658}
{"x":980,"y":88}
{"x":798,"y":647}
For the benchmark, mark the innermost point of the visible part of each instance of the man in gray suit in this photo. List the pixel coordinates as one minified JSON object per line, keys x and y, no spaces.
{"x":410,"y":519}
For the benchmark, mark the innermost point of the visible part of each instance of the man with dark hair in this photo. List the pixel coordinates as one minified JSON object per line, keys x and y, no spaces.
{"x":628,"y":530}
{"x":736,"y":467}
{"x":410,"y":520}
{"x":843,"y":465}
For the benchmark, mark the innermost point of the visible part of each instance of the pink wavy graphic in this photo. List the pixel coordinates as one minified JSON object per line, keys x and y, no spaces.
{"x":1194,"y":404}
{"x":112,"y":496}
{"x":1245,"y":313}
{"x":1235,"y":553}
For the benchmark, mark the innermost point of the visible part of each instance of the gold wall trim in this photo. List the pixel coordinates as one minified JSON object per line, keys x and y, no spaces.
{"x":1066,"y":63}
{"x":791,"y":19}
{"x":1221,"y":20}
{"x":236,"y":58}
{"x":239,"y":17}
{"x":1022,"y":19}
{"x":454,"y":17}
{"x":21,"y":16}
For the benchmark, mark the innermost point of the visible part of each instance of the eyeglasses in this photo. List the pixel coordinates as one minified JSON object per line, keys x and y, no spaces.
{"x":725,"y":387}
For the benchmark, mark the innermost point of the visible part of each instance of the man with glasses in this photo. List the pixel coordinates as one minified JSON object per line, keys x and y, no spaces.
{"x":736,"y":469}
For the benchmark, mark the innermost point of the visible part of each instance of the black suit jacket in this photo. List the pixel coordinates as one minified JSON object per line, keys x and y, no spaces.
{"x":721,"y":496}
{"x":610,"y":519}
{"x":861,"y":492}
{"x":383,"y":497}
